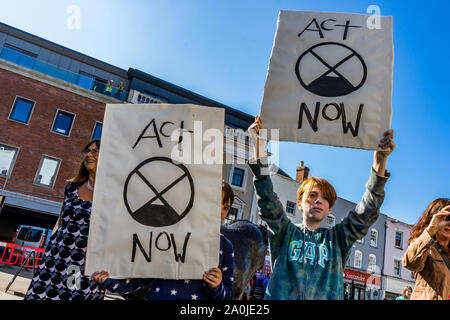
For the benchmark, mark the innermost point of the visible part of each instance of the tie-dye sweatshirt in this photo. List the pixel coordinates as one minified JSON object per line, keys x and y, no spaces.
{"x":309,"y":265}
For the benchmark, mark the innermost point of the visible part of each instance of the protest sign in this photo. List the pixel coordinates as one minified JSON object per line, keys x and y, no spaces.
{"x":156,"y":205}
{"x":330,"y":79}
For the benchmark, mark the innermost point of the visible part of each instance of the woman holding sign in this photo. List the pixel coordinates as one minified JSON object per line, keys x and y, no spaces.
{"x":428,"y":253}
{"x":59,"y":273}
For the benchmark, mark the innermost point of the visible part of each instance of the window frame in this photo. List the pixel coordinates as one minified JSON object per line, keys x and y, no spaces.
{"x":401,"y":240}
{"x":334,"y":220}
{"x":54,"y":122}
{"x":374,"y":263}
{"x":294,"y":206}
{"x":399,"y":267}
{"x":376,"y":238}
{"x":228,"y":221}
{"x":244,"y":178}
{"x":93,"y":130}
{"x":358,"y":252}
{"x":13,"y":162}
{"x":39,"y":170}
{"x":13,"y":107}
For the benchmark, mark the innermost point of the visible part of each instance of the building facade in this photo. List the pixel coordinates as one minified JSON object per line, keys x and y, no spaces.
{"x":52,"y":103}
{"x":396,"y":277}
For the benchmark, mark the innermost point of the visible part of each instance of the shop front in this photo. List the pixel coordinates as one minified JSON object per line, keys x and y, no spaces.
{"x":361,"y":286}
{"x":394,"y":287}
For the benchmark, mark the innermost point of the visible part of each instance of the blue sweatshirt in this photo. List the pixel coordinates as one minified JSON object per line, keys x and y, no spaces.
{"x":309,"y":265}
{"x":165,"y":289}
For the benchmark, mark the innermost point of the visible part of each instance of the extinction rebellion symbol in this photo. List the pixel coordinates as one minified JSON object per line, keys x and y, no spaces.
{"x":166,"y":212}
{"x":331,"y":69}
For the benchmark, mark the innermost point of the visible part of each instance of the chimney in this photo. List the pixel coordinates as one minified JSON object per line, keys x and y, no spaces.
{"x":302,"y":173}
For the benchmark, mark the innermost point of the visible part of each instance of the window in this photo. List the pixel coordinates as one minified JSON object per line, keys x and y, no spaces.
{"x":148,"y":93}
{"x":19,"y":56}
{"x":238,"y":177}
{"x":47,"y":171}
{"x":358,"y":259}
{"x":360,"y":240}
{"x":372,"y":263}
{"x":29,"y":234}
{"x":412,"y":275}
{"x":97,"y":133}
{"x":21,"y":110}
{"x":373,"y":238}
{"x":63,"y":122}
{"x":368,"y":293}
{"x":397,"y":267}
{"x":375,"y":294}
{"x":398,"y":239}
{"x":7,"y":158}
{"x":231,"y":216}
{"x":85,"y":80}
{"x":290,"y":208}
{"x":330,"y":221}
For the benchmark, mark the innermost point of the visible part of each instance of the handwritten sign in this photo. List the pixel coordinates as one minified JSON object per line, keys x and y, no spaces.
{"x":329,"y":79}
{"x":156,"y":205}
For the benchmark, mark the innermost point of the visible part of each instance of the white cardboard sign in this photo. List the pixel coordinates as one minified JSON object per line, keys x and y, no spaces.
{"x":155,"y":215}
{"x":330,"y":79}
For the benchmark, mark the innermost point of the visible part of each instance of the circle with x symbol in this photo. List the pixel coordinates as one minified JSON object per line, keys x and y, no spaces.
{"x":331,"y":69}
{"x":159,"y":192}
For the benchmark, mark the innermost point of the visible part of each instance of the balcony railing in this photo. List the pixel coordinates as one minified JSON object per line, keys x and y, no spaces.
{"x":82,"y":80}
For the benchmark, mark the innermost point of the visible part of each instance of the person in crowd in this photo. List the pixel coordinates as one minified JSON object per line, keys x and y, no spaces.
{"x":428,"y":253}
{"x":308,"y":261}
{"x":406,"y":294}
{"x":109,"y":87}
{"x":217,"y":283}
{"x":59,"y":273}
{"x":120,"y":90}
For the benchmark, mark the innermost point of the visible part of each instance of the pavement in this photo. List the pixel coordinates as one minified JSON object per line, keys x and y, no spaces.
{"x":19,"y":286}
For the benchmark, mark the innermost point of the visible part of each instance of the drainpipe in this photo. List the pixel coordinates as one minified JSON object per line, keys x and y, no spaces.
{"x":383,"y":284}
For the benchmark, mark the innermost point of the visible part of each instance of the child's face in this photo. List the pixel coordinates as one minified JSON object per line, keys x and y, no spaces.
{"x":316,"y":207}
{"x":224,"y":210}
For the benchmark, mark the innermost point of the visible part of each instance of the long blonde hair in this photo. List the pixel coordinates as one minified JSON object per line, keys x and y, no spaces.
{"x":83,"y":174}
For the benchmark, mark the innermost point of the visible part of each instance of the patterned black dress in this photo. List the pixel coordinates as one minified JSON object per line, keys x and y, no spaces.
{"x":58,"y":276}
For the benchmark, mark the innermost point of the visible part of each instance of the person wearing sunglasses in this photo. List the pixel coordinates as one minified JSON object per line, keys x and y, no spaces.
{"x":59,"y":275}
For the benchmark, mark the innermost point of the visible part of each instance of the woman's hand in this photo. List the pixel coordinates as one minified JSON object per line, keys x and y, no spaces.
{"x":100,"y":276}
{"x":213,"y":277}
{"x":438,"y":221}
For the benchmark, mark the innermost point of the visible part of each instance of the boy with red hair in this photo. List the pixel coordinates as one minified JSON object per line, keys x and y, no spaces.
{"x":308,"y":261}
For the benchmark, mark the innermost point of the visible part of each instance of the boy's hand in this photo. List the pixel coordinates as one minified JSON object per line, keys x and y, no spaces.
{"x":213,"y":277}
{"x":387,"y":142}
{"x":256,"y":125}
{"x":100,"y":276}
{"x":380,"y":157}
{"x":259,"y":143}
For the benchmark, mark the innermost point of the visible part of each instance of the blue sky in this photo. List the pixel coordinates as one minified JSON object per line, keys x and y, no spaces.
{"x":221,"y":49}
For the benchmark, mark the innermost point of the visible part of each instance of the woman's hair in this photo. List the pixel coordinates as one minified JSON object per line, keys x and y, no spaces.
{"x":434,"y":207}
{"x":324,"y":186}
{"x":227,"y":193}
{"x":407,"y":288}
{"x":83,"y":174}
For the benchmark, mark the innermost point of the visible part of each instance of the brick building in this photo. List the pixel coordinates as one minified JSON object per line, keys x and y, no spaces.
{"x":52,"y":104}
